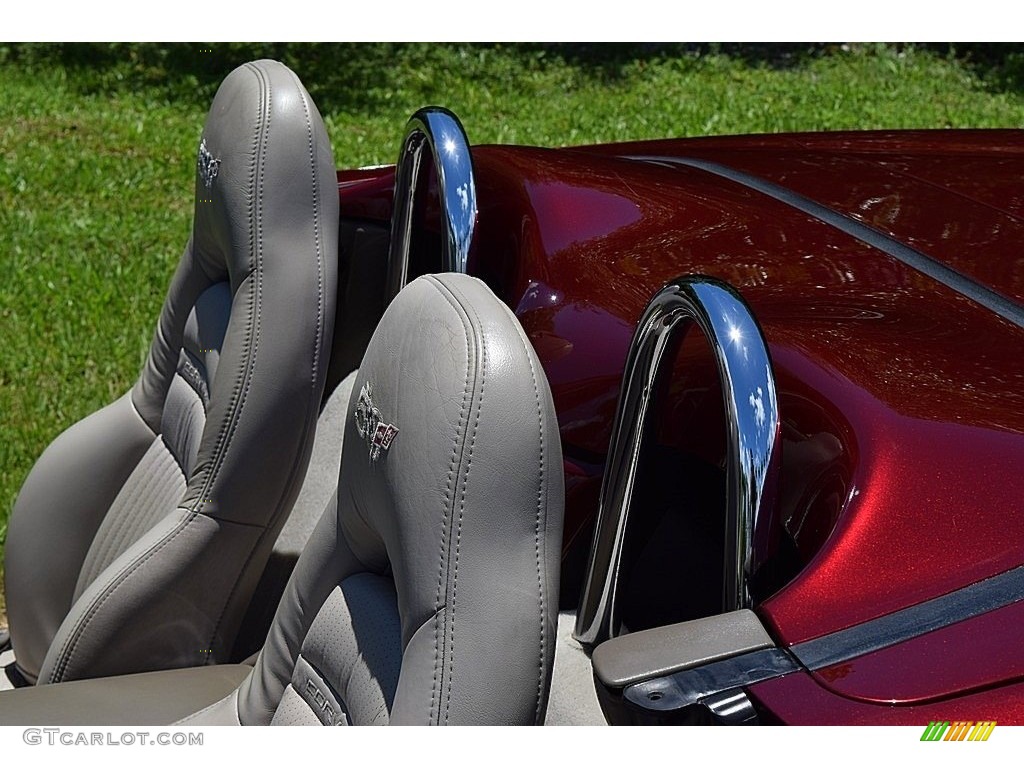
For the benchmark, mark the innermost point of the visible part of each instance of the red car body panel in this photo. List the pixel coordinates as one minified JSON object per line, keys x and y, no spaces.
{"x":902,"y":400}
{"x":965,"y":656}
{"x":798,"y":699}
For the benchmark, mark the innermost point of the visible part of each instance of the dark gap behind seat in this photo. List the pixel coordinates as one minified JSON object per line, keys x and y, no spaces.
{"x":361,"y":278}
{"x":362,"y":274}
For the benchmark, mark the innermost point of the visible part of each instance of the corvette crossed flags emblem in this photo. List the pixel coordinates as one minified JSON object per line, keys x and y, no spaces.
{"x":371,"y":426}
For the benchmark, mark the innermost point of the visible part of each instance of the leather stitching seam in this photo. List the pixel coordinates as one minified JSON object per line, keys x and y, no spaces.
{"x":537,"y":532}
{"x":437,"y":686}
{"x":462,"y":503}
{"x":256,"y":319}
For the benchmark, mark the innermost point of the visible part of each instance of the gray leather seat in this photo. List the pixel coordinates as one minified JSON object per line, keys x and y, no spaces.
{"x":428,"y":593}
{"x":138,"y":537}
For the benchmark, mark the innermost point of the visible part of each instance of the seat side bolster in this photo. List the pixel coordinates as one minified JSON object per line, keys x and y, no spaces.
{"x":156,"y":606}
{"x":55,"y":518}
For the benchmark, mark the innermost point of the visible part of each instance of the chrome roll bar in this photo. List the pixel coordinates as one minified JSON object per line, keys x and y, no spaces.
{"x":440,"y":131}
{"x":751,"y":411}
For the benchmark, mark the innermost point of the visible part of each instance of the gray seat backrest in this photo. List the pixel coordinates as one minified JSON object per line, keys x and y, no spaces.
{"x":138,"y":537}
{"x":428,"y":592}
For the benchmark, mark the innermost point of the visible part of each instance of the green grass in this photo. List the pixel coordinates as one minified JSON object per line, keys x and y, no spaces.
{"x":96,"y":163}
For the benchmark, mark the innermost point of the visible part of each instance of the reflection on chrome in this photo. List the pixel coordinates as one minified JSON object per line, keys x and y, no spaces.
{"x":753,"y":433}
{"x":440,"y":131}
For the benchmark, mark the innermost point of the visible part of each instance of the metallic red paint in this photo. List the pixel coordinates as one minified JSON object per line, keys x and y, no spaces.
{"x":957,"y":659}
{"x":798,"y":700}
{"x":902,"y":401}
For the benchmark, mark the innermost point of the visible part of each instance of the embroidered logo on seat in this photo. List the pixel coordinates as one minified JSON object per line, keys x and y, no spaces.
{"x":208,"y":165}
{"x":321,"y":702}
{"x":371,"y":426}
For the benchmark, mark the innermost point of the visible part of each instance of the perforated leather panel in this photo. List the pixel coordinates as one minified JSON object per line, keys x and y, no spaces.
{"x":293,"y":710}
{"x":352,"y":656}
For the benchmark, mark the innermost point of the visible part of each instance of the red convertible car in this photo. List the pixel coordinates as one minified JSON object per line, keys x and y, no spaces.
{"x":788,"y":378}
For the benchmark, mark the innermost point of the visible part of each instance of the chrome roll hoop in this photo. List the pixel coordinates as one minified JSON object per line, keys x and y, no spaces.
{"x":752,"y":418}
{"x":440,"y":131}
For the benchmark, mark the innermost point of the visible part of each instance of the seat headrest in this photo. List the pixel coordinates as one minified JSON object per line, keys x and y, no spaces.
{"x":266,"y":222}
{"x":261,"y":138}
{"x":451,"y":452}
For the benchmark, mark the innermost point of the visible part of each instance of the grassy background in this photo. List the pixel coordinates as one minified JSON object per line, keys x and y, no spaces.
{"x":97,"y":146}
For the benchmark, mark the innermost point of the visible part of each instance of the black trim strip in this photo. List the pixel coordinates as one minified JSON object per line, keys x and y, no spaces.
{"x":688,"y":686}
{"x":681,"y":689}
{"x":966,"y":603}
{"x":966,"y":286}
